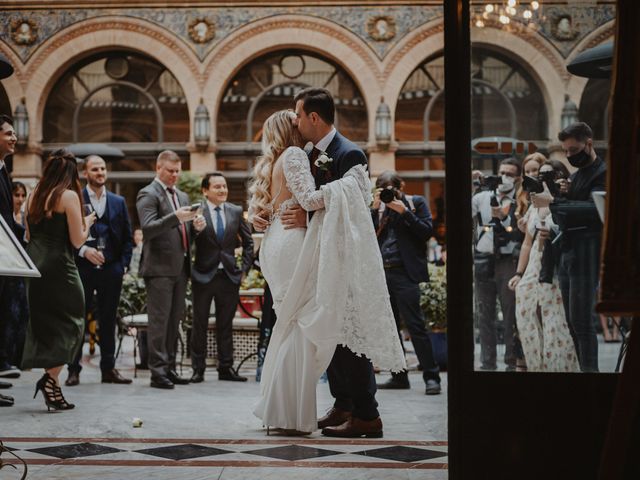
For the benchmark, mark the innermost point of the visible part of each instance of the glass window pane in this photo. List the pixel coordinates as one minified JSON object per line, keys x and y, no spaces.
{"x":536,"y":229}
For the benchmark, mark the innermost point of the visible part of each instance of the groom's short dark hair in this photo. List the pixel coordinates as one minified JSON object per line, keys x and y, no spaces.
{"x":317,"y":100}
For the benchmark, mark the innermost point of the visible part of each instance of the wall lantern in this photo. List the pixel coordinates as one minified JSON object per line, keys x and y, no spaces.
{"x":383,"y":124}
{"x":21,"y":123}
{"x":201,"y":126}
{"x":569,"y":113}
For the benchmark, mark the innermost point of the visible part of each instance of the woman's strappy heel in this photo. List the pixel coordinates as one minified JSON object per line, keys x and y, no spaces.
{"x":52,"y":394}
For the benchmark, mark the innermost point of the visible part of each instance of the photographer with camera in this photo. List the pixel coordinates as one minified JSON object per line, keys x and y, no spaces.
{"x":497,"y":241}
{"x":403,"y":226}
{"x":542,"y":326}
{"x":580,"y":230}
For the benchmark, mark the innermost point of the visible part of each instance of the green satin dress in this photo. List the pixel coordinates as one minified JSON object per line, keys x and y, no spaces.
{"x":56,"y":299}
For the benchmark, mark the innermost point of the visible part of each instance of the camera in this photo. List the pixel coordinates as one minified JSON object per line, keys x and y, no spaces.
{"x":549,"y":177}
{"x":389,"y":194}
{"x":491,"y":182}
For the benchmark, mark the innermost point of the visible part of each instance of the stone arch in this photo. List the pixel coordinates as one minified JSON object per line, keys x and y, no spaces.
{"x":312,"y":34}
{"x":538,"y":57}
{"x":70,"y":45}
{"x":14,"y":85}
{"x":405,"y":57}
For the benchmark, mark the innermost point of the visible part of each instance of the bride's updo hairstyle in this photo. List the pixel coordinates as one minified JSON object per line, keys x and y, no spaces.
{"x":278,"y":133}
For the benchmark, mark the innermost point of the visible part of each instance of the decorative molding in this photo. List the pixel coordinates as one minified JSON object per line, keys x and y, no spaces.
{"x":419,"y":37}
{"x":606,"y":34}
{"x":201,"y":30}
{"x":381,"y":28}
{"x":113,"y":24}
{"x":303,"y":23}
{"x":24,"y":31}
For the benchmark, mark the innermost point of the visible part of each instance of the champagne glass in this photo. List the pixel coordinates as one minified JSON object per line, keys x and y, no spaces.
{"x":88,"y":210}
{"x":101,"y":244}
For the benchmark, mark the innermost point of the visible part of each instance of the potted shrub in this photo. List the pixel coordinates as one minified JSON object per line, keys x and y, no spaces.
{"x":433,"y":300}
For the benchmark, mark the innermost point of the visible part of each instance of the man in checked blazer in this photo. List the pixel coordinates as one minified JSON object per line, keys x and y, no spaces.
{"x":165,"y":265}
{"x":215,"y":275}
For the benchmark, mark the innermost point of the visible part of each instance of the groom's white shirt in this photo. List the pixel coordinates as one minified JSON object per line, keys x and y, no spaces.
{"x":324,"y":142}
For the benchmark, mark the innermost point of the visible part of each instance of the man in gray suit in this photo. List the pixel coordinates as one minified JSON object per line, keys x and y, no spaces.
{"x":216,"y":276}
{"x":165,"y":264}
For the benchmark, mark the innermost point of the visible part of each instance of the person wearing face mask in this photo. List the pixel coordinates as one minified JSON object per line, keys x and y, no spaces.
{"x":497,"y":240}
{"x":576,"y":218}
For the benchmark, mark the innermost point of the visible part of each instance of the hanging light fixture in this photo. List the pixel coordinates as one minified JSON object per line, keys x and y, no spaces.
{"x":569,"y":114}
{"x":201,"y":126}
{"x":21,"y":122}
{"x":383,"y":124}
{"x":508,"y":14}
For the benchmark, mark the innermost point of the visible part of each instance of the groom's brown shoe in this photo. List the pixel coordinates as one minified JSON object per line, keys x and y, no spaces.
{"x":356,"y":428}
{"x":333,"y":418}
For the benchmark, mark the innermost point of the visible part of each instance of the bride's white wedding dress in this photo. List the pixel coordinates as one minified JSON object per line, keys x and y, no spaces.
{"x":325,"y":291}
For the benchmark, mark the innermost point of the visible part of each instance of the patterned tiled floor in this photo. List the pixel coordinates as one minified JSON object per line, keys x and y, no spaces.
{"x":291,"y":452}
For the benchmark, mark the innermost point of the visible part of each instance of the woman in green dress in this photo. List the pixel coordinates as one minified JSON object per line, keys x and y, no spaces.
{"x":55,"y":225}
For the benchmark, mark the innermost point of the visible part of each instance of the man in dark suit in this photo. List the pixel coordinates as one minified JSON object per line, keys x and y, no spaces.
{"x":101,"y":270}
{"x":216,"y":276}
{"x":403,"y":225}
{"x":577,"y":220}
{"x":8,"y":142}
{"x":165,"y":265}
{"x":351,"y":378}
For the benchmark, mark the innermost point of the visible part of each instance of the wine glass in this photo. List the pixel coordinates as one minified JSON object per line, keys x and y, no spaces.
{"x":101,"y":244}
{"x":88,"y":210}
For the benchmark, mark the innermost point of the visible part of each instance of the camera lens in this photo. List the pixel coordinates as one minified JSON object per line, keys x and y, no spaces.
{"x":387,"y":195}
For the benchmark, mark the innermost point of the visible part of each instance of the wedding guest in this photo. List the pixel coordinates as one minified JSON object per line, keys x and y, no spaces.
{"x":18,"y":311}
{"x":55,"y":226}
{"x":19,"y":192}
{"x":102,"y":262}
{"x":215,"y":276}
{"x":163,"y":210}
{"x":542,"y":325}
{"x":8,"y":142}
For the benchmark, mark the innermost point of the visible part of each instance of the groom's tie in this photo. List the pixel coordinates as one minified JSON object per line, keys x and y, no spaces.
{"x":315,"y":153}
{"x":219,"y":225}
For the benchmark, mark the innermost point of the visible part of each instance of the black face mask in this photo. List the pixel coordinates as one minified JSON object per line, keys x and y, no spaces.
{"x":580,"y":159}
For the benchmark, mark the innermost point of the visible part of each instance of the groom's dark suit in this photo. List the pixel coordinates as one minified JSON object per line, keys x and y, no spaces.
{"x":216,"y":276}
{"x":351,"y":378}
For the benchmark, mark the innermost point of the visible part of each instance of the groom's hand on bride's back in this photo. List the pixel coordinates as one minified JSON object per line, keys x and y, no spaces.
{"x":294,"y":217}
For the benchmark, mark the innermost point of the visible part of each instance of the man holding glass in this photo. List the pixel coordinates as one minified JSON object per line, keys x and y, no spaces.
{"x":102,"y":262}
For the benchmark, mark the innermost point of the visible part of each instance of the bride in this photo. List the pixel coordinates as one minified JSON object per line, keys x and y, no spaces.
{"x":327,"y":280}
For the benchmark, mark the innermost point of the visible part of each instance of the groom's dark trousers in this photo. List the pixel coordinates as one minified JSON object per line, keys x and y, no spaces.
{"x":351,"y":379}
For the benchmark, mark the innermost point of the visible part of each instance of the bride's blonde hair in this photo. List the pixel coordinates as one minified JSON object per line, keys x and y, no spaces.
{"x":278,"y":133}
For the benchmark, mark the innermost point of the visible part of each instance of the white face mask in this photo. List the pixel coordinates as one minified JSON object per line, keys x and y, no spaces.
{"x":507,"y":184}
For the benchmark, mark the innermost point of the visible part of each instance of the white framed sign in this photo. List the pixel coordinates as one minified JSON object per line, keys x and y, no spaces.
{"x":14,"y":261}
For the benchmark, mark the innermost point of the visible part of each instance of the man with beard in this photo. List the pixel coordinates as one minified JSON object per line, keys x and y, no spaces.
{"x":102,"y":262}
{"x":497,"y":236}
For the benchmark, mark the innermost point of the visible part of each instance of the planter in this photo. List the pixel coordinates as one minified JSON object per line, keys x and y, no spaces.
{"x":439,"y":347}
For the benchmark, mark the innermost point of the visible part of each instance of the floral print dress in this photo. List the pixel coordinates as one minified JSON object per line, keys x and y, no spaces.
{"x":542,"y":325}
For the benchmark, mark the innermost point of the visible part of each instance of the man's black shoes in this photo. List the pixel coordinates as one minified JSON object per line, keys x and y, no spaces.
{"x":5,"y":385}
{"x":162,"y":382}
{"x":6,"y":401}
{"x":177,"y":379}
{"x":398,"y":381}
{"x":198,"y":375}
{"x":230,"y":375}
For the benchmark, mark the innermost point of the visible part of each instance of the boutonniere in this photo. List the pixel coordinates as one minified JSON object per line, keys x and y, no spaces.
{"x":324,"y":161}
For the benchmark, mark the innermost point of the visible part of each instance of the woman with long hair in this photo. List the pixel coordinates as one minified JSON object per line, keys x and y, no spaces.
{"x":542,"y":326}
{"x":530,"y":167}
{"x":55,"y":226}
{"x":309,"y":274}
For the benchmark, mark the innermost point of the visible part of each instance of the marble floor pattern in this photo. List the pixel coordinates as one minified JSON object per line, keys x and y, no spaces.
{"x":207,"y":431}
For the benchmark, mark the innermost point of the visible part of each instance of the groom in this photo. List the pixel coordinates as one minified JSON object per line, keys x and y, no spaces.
{"x":351,"y":378}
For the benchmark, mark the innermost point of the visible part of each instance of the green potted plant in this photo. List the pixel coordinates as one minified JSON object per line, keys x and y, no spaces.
{"x":433,"y":300}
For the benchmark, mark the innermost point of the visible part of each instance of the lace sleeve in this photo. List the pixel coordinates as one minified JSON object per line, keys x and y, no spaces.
{"x":300,"y":181}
